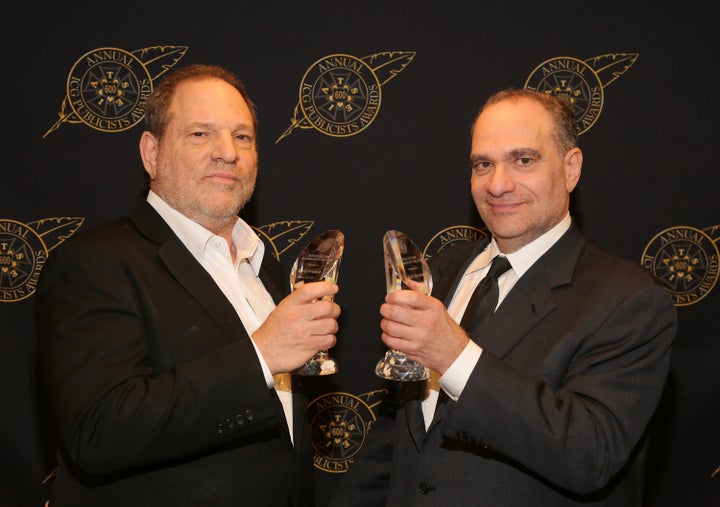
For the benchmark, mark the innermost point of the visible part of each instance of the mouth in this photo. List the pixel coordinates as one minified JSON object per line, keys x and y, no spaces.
{"x":503,"y":207}
{"x":224,"y":178}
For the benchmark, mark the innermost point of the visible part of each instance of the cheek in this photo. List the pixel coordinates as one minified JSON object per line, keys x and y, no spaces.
{"x":252,"y":162}
{"x":553,"y":195}
{"x":177,"y":171}
{"x":477,"y":186}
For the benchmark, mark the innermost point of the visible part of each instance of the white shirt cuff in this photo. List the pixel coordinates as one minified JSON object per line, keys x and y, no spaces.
{"x":454,"y":380}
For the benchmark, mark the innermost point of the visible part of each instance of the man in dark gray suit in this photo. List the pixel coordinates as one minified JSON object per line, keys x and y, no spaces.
{"x":162,"y":350}
{"x":546,"y":401}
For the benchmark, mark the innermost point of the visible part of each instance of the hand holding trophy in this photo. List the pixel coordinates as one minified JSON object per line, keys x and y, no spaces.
{"x":403,"y":261}
{"x":319,"y":261}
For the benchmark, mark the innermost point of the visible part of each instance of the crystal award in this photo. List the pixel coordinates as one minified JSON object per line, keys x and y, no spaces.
{"x":403,"y":262}
{"x":319,"y":261}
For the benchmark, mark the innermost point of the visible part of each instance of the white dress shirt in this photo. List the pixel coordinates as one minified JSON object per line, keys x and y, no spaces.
{"x":238,"y":280}
{"x":454,"y":380}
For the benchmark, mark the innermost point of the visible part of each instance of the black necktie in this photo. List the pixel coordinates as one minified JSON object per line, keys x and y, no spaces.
{"x":484,"y":300}
{"x":481,"y":305}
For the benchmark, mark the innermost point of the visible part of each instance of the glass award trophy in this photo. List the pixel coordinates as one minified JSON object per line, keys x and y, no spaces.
{"x":319,"y":261}
{"x":403,"y":262}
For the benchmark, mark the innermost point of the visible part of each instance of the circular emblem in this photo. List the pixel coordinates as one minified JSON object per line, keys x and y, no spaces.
{"x":340,"y":95}
{"x":685,"y":261}
{"x":107,"y":89}
{"x":22,"y":256}
{"x":576,"y":81}
{"x":339,"y":424}
{"x":450,"y":236}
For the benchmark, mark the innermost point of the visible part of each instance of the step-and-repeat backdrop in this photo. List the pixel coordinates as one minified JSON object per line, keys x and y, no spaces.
{"x":365,"y":110}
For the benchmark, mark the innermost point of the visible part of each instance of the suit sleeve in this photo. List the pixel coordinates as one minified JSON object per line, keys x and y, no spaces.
{"x":134,"y":371}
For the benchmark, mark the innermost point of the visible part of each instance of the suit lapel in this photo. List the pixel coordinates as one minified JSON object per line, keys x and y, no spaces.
{"x":272,"y":278}
{"x":532,"y":299}
{"x":529,"y":301}
{"x":187,"y":271}
{"x":526,"y":305}
{"x":415,"y":422}
{"x":181,"y":264}
{"x":440,"y":409}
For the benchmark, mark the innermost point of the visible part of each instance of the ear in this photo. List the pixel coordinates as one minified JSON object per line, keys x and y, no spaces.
{"x":573,"y":168}
{"x":148,"y":153}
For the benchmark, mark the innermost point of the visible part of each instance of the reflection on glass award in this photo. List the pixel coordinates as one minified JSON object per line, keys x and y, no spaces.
{"x":319,"y":261}
{"x":403,"y":262}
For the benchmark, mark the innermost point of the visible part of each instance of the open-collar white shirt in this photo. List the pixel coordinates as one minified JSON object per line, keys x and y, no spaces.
{"x":238,"y":279}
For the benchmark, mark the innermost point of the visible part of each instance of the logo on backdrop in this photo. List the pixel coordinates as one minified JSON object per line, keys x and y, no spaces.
{"x":582,"y":82}
{"x":283,"y":235}
{"x":339,"y":423}
{"x":450,"y":236}
{"x":340,"y":94}
{"x":685,"y":262}
{"x":107,"y":87}
{"x":24,"y":249}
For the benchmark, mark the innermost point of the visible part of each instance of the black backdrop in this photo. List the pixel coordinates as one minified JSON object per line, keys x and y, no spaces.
{"x":644,"y":78}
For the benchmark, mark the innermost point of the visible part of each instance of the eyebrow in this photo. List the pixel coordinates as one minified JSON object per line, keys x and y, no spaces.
{"x":211,"y":125}
{"x":523,"y":152}
{"x":513,"y":154}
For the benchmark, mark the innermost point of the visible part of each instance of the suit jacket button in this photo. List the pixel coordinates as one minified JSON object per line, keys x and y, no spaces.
{"x":249,"y":415}
{"x":461,"y":435}
{"x":220,"y":429}
{"x":229,"y":423}
{"x":424,"y":488}
{"x":481,"y":444}
{"x":239,"y":419}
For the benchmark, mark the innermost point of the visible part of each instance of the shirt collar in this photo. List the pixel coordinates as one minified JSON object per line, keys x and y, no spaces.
{"x":522,"y":259}
{"x":196,"y":237}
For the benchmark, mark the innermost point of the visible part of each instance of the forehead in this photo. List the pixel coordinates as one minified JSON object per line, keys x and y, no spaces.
{"x":209,"y":99}
{"x":516,"y":120}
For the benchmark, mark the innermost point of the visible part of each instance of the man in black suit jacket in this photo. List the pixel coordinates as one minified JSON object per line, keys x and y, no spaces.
{"x":162,"y":350}
{"x":546,"y":402}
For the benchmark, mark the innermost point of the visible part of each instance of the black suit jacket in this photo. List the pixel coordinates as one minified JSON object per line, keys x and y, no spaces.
{"x":157,"y":392}
{"x":555,"y":412}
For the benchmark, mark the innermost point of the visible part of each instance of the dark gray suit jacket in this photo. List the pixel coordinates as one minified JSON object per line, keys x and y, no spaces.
{"x":554,"y":414}
{"x":158,"y":395}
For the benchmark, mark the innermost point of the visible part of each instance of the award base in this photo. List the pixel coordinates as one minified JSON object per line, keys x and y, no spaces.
{"x":396,"y":366}
{"x":320,"y":364}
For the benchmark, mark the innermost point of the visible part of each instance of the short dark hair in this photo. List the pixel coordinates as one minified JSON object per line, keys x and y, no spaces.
{"x":156,"y":106}
{"x":557,"y":106}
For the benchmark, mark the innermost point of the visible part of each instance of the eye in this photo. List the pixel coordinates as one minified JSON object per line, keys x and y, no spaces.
{"x":198,"y":137}
{"x":524,"y":161}
{"x":524,"y":158}
{"x":481,"y":167}
{"x":244,"y":140}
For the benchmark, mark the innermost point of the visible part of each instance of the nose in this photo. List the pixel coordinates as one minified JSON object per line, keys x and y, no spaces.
{"x":500,"y":181}
{"x":225,"y":148}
